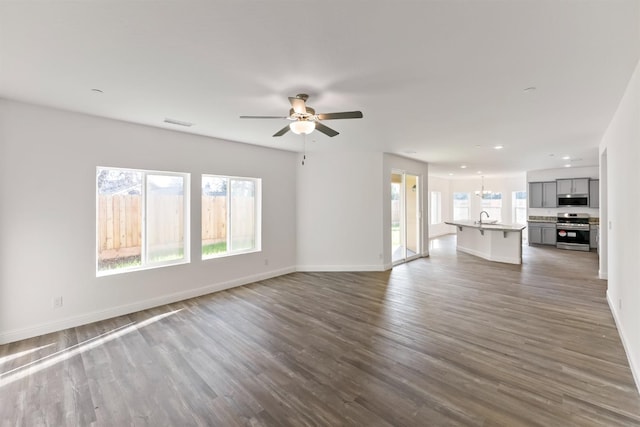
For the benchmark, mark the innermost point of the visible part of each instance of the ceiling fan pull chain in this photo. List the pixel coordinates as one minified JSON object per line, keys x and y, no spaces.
{"x":304,"y":148}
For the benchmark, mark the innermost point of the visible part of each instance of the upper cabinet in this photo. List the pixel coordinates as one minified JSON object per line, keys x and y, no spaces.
{"x":594,"y":193}
{"x":549,"y":199}
{"x":573,"y":186}
{"x":542,"y":194}
{"x":535,"y":194}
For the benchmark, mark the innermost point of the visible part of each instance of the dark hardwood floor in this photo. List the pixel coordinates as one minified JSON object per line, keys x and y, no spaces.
{"x":446,"y":340}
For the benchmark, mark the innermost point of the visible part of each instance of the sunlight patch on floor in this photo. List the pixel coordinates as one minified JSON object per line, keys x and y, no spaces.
{"x":62,"y":355}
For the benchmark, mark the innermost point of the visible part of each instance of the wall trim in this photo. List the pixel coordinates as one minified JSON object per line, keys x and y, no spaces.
{"x":603,"y":275}
{"x":635,"y":370}
{"x":350,"y":268}
{"x":96,"y":316}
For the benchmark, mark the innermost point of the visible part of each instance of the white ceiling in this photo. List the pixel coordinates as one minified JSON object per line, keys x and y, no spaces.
{"x":443,"y":79}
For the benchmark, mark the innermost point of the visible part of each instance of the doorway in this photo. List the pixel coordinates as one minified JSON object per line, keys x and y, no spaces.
{"x":405,"y":217}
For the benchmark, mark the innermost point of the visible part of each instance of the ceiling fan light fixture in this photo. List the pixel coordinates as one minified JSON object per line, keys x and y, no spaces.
{"x":302,"y":127}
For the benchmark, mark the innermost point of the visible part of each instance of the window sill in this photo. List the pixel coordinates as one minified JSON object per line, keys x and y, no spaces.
{"x":134,"y":269}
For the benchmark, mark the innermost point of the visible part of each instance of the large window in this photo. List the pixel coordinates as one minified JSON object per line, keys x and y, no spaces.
{"x":461,"y":206}
{"x":519,"y":203}
{"x":436,"y":207}
{"x":492,"y":204}
{"x":230,"y":215}
{"x":140,"y":219}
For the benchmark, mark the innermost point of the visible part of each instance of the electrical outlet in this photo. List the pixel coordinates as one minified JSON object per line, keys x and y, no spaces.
{"x":620,"y":303}
{"x":57,"y":302}
{"x":266,"y":261}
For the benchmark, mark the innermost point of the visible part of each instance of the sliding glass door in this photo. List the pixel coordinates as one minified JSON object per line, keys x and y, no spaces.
{"x":405,"y":217}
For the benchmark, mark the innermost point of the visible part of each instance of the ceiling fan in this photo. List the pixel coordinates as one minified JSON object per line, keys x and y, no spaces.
{"x":304,"y":119}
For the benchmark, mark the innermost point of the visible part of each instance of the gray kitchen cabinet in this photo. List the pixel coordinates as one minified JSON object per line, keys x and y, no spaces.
{"x":573,"y":186}
{"x":542,"y":233}
{"x":542,"y":194}
{"x":594,"y":193}
{"x":535,"y":194}
{"x":593,"y":236}
{"x":549,"y":195}
{"x":549,"y":235}
{"x":535,"y":234}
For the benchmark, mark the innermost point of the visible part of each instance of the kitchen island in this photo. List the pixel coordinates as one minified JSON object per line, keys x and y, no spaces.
{"x":493,"y":242}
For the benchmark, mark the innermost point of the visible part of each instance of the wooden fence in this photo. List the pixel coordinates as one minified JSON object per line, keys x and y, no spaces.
{"x":120,"y":222}
{"x":119,"y":226}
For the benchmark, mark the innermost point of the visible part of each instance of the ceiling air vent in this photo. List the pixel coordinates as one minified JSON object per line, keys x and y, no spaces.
{"x":178,"y":122}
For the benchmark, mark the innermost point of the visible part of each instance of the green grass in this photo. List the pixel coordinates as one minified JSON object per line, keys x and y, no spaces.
{"x":118,"y":263}
{"x":214,"y":248}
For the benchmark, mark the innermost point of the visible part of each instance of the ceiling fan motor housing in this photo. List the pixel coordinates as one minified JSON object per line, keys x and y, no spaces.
{"x":310,"y":112}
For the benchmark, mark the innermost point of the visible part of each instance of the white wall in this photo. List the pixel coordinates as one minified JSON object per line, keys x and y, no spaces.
{"x":444,"y":187}
{"x":48,"y":162}
{"x":505,"y":185}
{"x":339,"y":212}
{"x":622,"y":144}
{"x":561,"y":173}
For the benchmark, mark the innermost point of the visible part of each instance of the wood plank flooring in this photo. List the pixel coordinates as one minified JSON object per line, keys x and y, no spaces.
{"x":443,"y":341}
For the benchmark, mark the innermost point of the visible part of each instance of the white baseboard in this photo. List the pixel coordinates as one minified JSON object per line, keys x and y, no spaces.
{"x":328,"y":268}
{"x":603,"y":275}
{"x":635,"y":371}
{"x":83,"y":319}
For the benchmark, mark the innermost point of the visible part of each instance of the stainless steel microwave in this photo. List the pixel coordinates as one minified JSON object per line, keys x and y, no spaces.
{"x":573,"y":200}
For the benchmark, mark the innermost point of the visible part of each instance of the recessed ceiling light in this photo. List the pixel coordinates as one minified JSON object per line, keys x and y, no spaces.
{"x":463,"y":166}
{"x":450,"y":173}
{"x":567,"y":165}
{"x":479,"y":172}
{"x":97,"y":90}
{"x":178,"y":122}
{"x":551,"y":155}
{"x":530,"y":89}
{"x":566,"y":158}
{"x":498,"y":147}
{"x":478,"y":145}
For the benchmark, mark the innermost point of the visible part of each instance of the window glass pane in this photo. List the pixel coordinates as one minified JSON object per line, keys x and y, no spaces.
{"x":214,"y":215}
{"x":395,"y":214}
{"x":492,"y":204}
{"x":242,"y":214}
{"x":119,"y":218}
{"x":519,"y":202}
{"x":230,"y":215}
{"x":461,"y":206}
{"x":165,"y":218}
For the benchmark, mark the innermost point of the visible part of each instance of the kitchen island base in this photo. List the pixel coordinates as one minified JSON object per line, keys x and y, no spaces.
{"x":493,"y":242}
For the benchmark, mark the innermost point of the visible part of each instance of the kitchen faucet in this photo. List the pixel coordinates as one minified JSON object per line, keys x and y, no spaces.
{"x":483,"y":212}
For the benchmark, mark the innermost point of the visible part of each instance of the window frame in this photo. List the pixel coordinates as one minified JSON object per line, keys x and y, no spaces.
{"x":257,"y":213}
{"x":145,"y":264}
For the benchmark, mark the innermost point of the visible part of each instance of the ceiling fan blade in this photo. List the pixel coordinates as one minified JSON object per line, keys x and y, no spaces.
{"x":298,"y":105}
{"x":326,"y":129}
{"x":282,"y":131}
{"x":263,"y":117}
{"x":344,"y":115}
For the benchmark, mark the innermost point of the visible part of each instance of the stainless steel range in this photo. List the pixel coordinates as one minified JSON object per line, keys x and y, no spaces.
{"x":572,"y":231}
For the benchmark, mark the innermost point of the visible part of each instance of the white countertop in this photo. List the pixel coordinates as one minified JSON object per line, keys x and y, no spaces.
{"x":486,"y":226}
